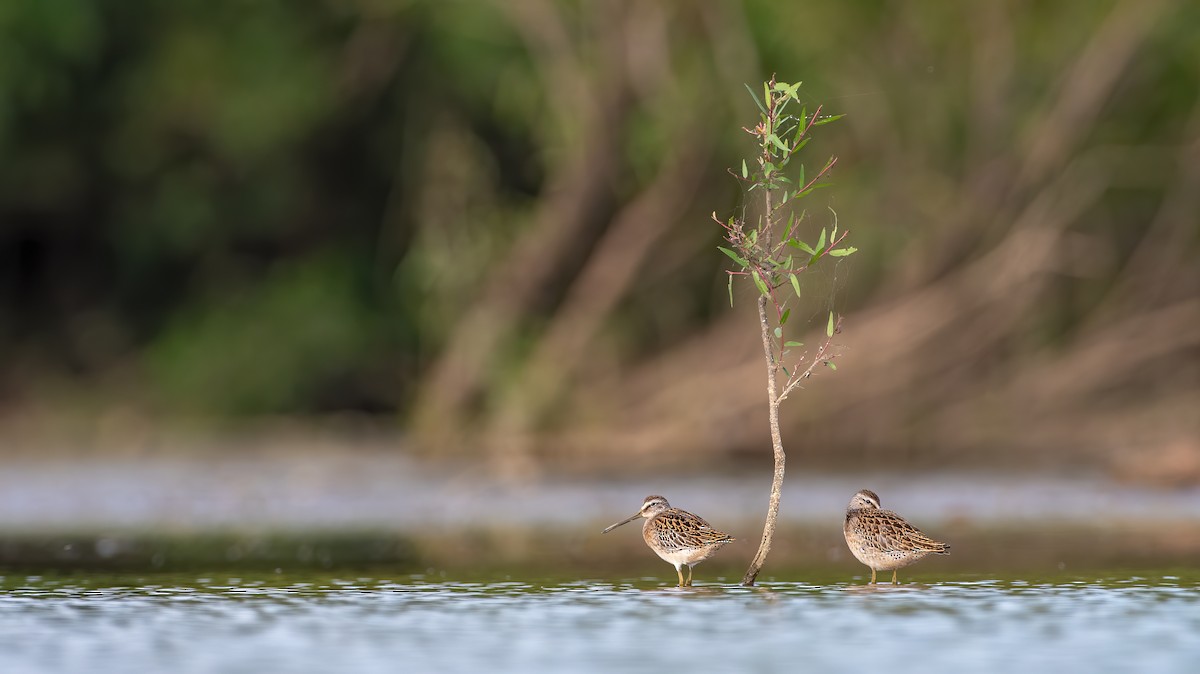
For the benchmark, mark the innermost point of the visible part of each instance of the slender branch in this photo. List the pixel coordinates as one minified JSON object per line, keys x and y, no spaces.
{"x":823,"y":356}
{"x":812,"y":120}
{"x":762,"y":257}
{"x":809,"y":184}
{"x":764,"y":546}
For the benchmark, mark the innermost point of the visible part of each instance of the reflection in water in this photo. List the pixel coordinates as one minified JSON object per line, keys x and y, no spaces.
{"x":280,"y":623}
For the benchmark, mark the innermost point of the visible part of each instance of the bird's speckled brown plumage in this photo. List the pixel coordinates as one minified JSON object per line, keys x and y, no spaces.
{"x":883,"y":540}
{"x":677,"y":536}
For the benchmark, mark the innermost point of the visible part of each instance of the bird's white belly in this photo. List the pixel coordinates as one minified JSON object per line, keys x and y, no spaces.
{"x":680,"y":557}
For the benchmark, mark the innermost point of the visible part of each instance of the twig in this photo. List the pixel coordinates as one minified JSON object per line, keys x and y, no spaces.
{"x":794,"y":381}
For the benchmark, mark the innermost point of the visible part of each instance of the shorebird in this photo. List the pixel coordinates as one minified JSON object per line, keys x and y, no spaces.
{"x":677,"y":536}
{"x":883,"y":540}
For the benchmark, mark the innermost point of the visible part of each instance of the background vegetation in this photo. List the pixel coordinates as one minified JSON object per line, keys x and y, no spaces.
{"x":486,"y":225}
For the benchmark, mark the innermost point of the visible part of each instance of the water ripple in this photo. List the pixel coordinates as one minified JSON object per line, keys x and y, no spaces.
{"x":366,"y":624}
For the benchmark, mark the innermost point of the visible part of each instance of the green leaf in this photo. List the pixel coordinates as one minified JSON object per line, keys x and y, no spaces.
{"x":795,"y":284}
{"x":778,"y":333}
{"x":778,"y":143}
{"x":843,"y":252}
{"x":814,"y":187}
{"x":784,"y":317}
{"x":756,"y":101}
{"x":827,"y":120}
{"x":831,"y":365}
{"x":800,"y":180}
{"x":821,"y":241}
{"x":762,"y":287}
{"x":731,"y":291}
{"x":745,"y":171}
{"x":829,"y":327}
{"x":793,"y":343}
{"x":734,"y":256}
{"x":797,"y":243}
{"x":785,"y":370}
{"x":799,"y":146}
{"x":787,"y":228}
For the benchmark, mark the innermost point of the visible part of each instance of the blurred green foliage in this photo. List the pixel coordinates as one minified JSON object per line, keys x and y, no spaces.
{"x":190,"y":173}
{"x":279,"y":207}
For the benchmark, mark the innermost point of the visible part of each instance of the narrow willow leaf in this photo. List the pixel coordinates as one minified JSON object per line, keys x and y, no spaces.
{"x":814,"y":187}
{"x":778,"y":333}
{"x":795,"y":284}
{"x":793,"y":343}
{"x":734,"y":256}
{"x":756,"y":101}
{"x":800,"y":180}
{"x":827,"y":120}
{"x":762,"y":287}
{"x":785,"y":371}
{"x":745,"y":171}
{"x":797,"y":243}
{"x":787,"y":229}
{"x":821,"y":240}
{"x":731,"y":291}
{"x":831,"y":365}
{"x":843,"y":252}
{"x":778,"y":143}
{"x":829,"y":327}
{"x":784,"y":317}
{"x":799,"y":146}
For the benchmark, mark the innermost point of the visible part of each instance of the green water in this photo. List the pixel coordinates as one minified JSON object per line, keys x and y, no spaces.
{"x":1147,"y":621}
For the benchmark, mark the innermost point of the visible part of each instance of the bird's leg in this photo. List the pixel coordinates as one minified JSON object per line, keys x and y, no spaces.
{"x":894,"y":581}
{"x":689,"y":580}
{"x":872,"y":576}
{"x":679,"y":570}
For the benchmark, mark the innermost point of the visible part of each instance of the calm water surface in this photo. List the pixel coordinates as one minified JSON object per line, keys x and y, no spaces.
{"x":273,"y":623}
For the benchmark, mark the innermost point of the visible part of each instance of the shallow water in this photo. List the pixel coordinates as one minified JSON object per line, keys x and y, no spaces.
{"x":206,"y":623}
{"x":392,"y":490}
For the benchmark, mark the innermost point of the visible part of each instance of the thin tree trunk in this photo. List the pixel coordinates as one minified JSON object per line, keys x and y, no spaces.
{"x":776,"y":445}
